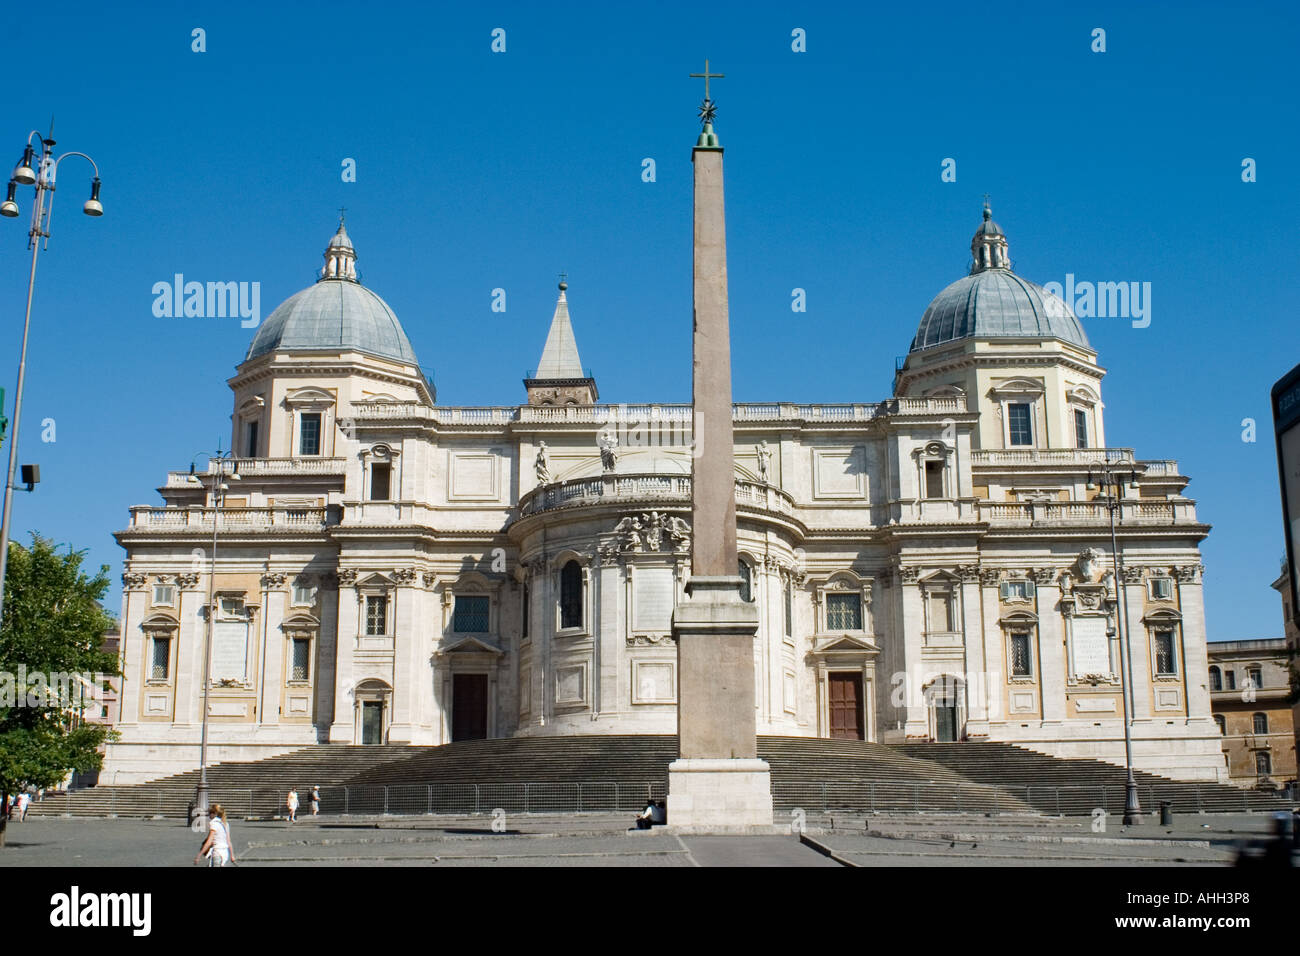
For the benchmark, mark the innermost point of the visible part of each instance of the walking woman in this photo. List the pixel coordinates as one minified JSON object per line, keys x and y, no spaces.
{"x":218,"y":847}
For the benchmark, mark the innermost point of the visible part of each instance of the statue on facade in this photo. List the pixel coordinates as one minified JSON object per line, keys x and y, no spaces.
{"x":608,"y":451}
{"x":764,"y":462}
{"x":543,"y":472}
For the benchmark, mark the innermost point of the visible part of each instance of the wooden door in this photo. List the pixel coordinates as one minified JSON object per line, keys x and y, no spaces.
{"x":469,"y":707}
{"x":845,"y":699}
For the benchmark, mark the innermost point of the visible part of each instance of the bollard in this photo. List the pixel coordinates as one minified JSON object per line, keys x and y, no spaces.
{"x":1166,"y":813}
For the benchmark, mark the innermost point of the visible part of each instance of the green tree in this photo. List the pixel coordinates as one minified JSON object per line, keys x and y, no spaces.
{"x":53,"y":627}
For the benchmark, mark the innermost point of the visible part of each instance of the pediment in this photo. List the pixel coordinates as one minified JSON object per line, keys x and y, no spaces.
{"x":470,"y":645}
{"x":844,"y":644}
{"x":308,"y":396}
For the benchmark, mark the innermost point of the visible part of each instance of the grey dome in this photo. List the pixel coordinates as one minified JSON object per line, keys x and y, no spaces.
{"x":996,"y":303}
{"x":334,"y":315}
{"x":337,"y":314}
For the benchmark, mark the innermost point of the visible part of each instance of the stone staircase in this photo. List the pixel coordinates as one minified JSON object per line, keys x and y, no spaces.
{"x":245,"y":789}
{"x":821,"y":775}
{"x":619,"y":773}
{"x":1076,"y":786}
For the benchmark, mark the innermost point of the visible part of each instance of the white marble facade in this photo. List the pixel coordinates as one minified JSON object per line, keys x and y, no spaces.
{"x":394,"y":570}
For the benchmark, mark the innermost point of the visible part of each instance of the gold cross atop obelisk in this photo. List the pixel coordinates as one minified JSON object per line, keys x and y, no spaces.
{"x":706,"y":75}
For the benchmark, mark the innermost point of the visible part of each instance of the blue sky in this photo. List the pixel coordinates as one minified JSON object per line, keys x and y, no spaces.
{"x":479,"y":170}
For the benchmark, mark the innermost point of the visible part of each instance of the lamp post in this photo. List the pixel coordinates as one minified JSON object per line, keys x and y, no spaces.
{"x":1112,"y":482}
{"x":42,"y":212}
{"x":217,"y":468}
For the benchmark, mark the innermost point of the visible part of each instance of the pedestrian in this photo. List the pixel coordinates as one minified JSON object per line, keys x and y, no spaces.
{"x":315,"y":800}
{"x":291,"y":802}
{"x":218,"y":847}
{"x":645,"y":817}
{"x":24,"y":801}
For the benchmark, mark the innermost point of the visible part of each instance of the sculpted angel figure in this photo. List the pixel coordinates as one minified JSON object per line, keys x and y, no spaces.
{"x":629,"y":530}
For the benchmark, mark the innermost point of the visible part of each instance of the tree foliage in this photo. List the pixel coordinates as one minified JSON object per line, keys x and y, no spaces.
{"x":53,"y":627}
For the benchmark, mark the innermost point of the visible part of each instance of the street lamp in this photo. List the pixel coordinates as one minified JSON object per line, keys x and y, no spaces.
{"x":1108,"y":475}
{"x":42,"y":213}
{"x":217,"y":468}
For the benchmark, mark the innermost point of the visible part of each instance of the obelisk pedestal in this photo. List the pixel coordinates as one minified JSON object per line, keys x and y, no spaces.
{"x":717,"y":783}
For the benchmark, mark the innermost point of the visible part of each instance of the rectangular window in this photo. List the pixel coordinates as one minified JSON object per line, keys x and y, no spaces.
{"x":1021,"y":664}
{"x":303,"y":594}
{"x":789,"y":610}
{"x":471,"y":614}
{"x":1080,"y":428}
{"x":232,"y":607}
{"x":159,"y":656}
{"x":934,"y":479}
{"x":1019,"y":425}
{"x":1263,"y":764}
{"x":843,"y":612}
{"x":1256,"y":677}
{"x":524,"y":614}
{"x":1166,"y":661}
{"x":940,"y":611}
{"x":1017,"y":589}
{"x":1260,"y":723}
{"x":250,"y":440}
{"x":163,"y":595}
{"x":380,"y":478}
{"x":376,"y":615}
{"x":1162,"y":589}
{"x":1232,"y":679}
{"x":309,"y":434}
{"x":301,"y":656}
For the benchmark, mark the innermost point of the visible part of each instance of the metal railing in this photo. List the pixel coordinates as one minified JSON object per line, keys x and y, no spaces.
{"x":605,"y":796}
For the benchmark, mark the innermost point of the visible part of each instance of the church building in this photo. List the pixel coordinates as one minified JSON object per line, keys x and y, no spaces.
{"x":935,"y":566}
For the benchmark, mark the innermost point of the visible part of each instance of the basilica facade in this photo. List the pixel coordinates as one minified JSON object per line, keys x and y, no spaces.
{"x":934,"y":566}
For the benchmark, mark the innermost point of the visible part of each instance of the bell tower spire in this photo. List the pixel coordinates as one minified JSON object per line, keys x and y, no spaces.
{"x":560,"y":378}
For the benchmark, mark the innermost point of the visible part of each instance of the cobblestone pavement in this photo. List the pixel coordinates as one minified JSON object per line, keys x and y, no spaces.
{"x":603,"y":840}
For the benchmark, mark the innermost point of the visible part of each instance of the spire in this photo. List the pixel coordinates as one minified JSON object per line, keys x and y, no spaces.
{"x":989,"y":246}
{"x":340,"y":257}
{"x":560,"y":356}
{"x":560,"y":369}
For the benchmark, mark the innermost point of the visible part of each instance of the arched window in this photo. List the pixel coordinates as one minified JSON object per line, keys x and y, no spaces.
{"x":1216,"y":679}
{"x":571,"y":595}
{"x":746,"y":582}
{"x":1261,"y":723}
{"x":1223,"y":727}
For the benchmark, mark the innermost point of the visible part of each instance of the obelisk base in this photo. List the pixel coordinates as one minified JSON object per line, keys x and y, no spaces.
{"x":718,"y":781}
{"x":719,"y":794}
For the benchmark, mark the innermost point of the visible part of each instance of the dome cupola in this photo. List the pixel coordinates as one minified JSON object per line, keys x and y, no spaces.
{"x":337,"y":314}
{"x":994,"y":302}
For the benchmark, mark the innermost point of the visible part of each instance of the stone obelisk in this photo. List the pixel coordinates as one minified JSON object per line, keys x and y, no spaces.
{"x":717,"y":782}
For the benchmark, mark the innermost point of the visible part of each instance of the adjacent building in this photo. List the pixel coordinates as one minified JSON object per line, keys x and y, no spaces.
{"x":1249,"y":694}
{"x":935,"y":565}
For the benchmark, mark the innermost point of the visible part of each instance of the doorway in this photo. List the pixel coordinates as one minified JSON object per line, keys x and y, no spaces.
{"x":469,"y":706}
{"x":372,"y":721}
{"x":845,"y":705}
